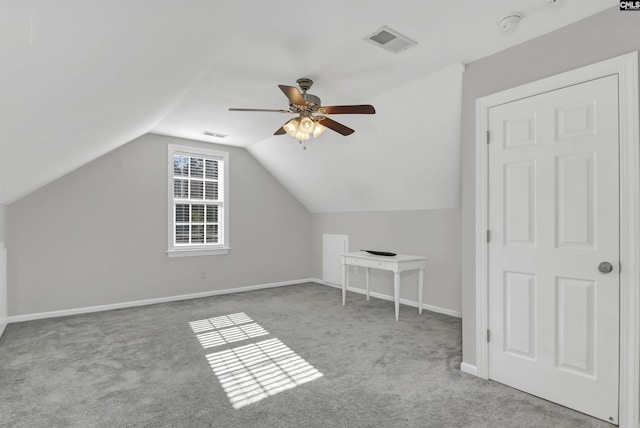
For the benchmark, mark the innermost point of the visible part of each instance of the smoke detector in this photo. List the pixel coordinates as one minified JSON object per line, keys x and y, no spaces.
{"x":390,"y":40}
{"x":509,"y":23}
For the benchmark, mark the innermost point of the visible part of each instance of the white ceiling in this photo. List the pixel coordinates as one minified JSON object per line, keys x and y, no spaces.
{"x":79,"y":78}
{"x":403,"y":158}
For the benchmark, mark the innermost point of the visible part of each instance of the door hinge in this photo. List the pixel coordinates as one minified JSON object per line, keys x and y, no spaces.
{"x":488,"y":335}
{"x":488,"y":134}
{"x":488,"y":236}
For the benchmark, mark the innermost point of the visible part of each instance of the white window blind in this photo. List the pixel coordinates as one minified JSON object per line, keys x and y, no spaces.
{"x":197,"y":212}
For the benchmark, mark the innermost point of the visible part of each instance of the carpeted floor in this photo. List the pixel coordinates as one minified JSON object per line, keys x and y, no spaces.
{"x":286,"y":357}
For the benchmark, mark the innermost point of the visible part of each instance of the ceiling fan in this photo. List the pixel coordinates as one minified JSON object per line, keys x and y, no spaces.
{"x":310,"y":120}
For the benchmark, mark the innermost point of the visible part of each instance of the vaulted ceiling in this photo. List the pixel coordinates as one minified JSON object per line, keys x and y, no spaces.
{"x":79,"y":78}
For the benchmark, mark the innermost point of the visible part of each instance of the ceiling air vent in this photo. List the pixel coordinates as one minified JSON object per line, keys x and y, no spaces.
{"x":390,"y":40}
{"x":214,"y":134}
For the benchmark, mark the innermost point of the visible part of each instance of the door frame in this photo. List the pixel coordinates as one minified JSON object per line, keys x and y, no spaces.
{"x":626,"y":68}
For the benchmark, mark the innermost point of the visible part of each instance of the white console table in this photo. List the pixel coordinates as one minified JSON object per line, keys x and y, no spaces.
{"x":396,"y":264}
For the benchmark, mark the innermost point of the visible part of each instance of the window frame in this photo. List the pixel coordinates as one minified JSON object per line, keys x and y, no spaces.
{"x":187,"y":250}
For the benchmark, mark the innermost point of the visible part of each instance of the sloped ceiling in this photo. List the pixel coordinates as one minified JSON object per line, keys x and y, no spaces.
{"x":79,"y":78}
{"x":406,"y":157}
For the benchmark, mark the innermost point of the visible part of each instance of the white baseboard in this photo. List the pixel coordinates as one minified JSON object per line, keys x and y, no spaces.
{"x":413,"y":303}
{"x":76,"y":311}
{"x":468,"y":368}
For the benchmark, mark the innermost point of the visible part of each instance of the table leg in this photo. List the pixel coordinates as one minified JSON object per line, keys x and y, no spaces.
{"x":366,"y":280}
{"x":396,"y":292}
{"x":420,"y":287}
{"x":345,"y":279}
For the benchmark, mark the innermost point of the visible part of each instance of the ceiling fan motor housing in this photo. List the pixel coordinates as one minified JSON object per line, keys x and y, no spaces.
{"x":314,"y":102}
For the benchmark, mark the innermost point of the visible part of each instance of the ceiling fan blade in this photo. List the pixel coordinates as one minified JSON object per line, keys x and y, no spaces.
{"x":294,"y":95}
{"x":280,"y":131}
{"x":354,"y":109}
{"x":260,"y":109}
{"x":332,"y":124}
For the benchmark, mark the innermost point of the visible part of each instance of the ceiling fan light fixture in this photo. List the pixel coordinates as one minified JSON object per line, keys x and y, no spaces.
{"x":302,"y":136}
{"x":306,"y":125}
{"x":292,"y":126}
{"x":318,"y":130}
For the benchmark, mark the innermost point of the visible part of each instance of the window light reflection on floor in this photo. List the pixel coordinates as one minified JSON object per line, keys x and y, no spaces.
{"x":252,"y":372}
{"x":219,"y":322}
{"x":211,"y":339}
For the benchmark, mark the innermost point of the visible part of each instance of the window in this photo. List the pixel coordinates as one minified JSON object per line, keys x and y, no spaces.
{"x":198,"y":209}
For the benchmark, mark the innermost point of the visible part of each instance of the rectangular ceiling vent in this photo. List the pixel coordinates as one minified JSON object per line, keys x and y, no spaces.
{"x":390,"y":40}
{"x":214,"y":134}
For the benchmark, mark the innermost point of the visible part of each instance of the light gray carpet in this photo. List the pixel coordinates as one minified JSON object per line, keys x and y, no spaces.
{"x":146,"y":367}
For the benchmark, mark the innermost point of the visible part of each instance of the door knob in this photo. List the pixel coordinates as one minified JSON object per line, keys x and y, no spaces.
{"x":605,"y":267}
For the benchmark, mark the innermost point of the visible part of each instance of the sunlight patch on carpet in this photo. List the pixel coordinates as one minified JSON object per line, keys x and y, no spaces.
{"x":252,"y":372}
{"x":220,"y":322}
{"x":229,"y":335}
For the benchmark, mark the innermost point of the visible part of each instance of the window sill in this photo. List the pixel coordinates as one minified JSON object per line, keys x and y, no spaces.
{"x":194,"y":252}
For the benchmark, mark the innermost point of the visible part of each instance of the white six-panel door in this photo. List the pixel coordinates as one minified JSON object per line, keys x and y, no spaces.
{"x":553,"y":219}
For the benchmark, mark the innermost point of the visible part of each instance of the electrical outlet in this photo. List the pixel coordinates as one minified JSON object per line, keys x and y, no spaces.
{"x":203,"y":274}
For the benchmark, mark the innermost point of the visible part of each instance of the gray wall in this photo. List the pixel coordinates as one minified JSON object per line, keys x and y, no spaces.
{"x":599,"y":37}
{"x":3,"y":223}
{"x":99,"y":234}
{"x":432,"y":233}
{"x":3,"y":269}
